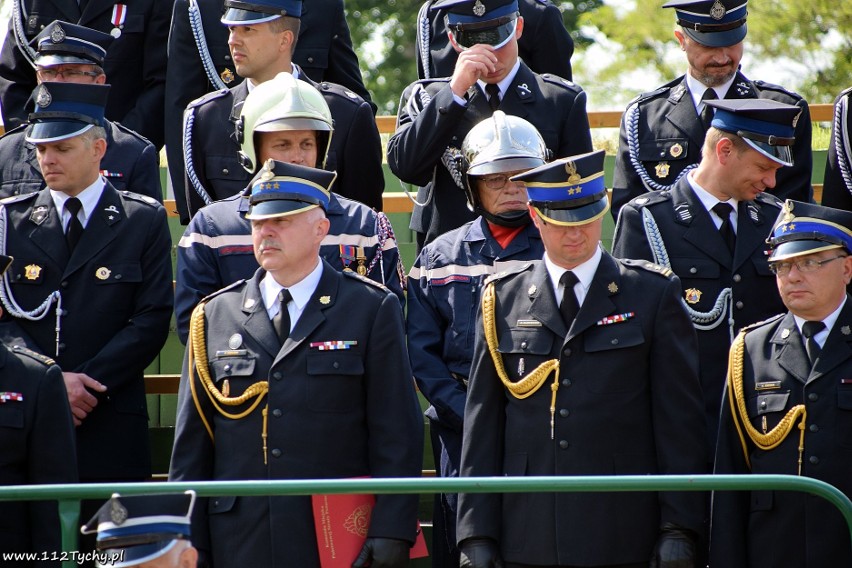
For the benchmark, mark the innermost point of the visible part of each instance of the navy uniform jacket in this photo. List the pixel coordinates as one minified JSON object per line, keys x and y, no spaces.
{"x":443,"y":296}
{"x":698,"y":255}
{"x":135,"y":63}
{"x":216,"y":250}
{"x":332,"y":413}
{"x":546,"y":46}
{"x":38,"y":447}
{"x":429,"y":121}
{"x":323,"y":51}
{"x":355,"y":152}
{"x":116,"y":290}
{"x":667,"y":136}
{"x":837,"y":186}
{"x":804,"y":530}
{"x":130,"y":161}
{"x":628,"y":403}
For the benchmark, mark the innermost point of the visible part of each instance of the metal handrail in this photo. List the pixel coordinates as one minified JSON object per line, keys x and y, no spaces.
{"x":69,"y":495}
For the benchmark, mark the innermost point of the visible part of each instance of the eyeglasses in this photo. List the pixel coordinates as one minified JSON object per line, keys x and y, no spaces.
{"x":49,"y":74}
{"x":807,"y":265}
{"x":498,"y":181}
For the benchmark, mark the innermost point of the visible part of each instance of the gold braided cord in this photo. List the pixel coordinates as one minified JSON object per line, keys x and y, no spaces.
{"x":739,"y":411}
{"x":197,"y":355}
{"x":532,"y":382}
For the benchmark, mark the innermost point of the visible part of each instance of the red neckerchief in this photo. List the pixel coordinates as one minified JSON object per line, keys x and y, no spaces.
{"x":504,"y":235}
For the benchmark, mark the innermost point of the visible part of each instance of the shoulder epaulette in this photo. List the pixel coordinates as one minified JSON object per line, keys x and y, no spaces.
{"x":130,"y":132}
{"x":843,"y":93}
{"x":354,"y":275}
{"x":207,"y":98}
{"x":18,"y":128}
{"x":649,"y":266}
{"x":18,"y":198}
{"x":223,"y":290}
{"x":764,"y":86}
{"x":146,"y":199}
{"x":661,"y":90}
{"x":755,"y":325}
{"x":651,"y":198}
{"x":340,"y":91}
{"x":769,"y":199}
{"x":36,"y":356}
{"x":562,"y":82}
{"x":508,"y":272}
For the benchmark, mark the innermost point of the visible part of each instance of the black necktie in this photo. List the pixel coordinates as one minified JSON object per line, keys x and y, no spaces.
{"x":493,"y":92}
{"x":723,"y":210}
{"x":809,"y":330}
{"x":707,"y":111}
{"x":281,"y":321}
{"x":569,"y":305}
{"x":75,"y":227}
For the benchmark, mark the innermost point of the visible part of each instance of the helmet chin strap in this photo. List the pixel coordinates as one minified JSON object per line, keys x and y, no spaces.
{"x":508,"y":219}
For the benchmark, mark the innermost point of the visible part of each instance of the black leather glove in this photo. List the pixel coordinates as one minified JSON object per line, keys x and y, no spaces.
{"x":383,"y":553}
{"x":675,"y":548}
{"x":479,"y":553}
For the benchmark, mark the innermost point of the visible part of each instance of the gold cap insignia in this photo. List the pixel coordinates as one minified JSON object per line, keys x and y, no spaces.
{"x":102,"y":273}
{"x":787,"y":210}
{"x":662,"y":170}
{"x":718,"y":11}
{"x":692,"y":295}
{"x":479,"y":9}
{"x":227,"y":76}
{"x":676,"y":150}
{"x":325,"y":300}
{"x":268,"y":170}
{"x":32,"y":271}
{"x":532,"y":290}
{"x":117,"y":512}
{"x":573,"y":176}
{"x":612,"y":287}
{"x":785,"y":334}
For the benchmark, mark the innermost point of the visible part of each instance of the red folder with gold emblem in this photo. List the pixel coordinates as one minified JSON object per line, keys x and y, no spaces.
{"x":342,"y":522}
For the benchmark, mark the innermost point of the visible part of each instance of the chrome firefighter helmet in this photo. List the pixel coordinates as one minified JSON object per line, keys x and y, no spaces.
{"x":283,"y":103}
{"x":501,"y":143}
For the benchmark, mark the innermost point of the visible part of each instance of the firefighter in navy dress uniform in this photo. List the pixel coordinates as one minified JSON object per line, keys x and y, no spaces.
{"x":445,"y":283}
{"x":788,"y":404}
{"x":76,"y":54}
{"x":711,"y":230}
{"x":299,"y":372}
{"x":262,"y":40}
{"x":662,"y":131}
{"x":435,"y":115}
{"x":603,"y":382}
{"x":837,"y":185}
{"x":287,"y":120}
{"x":38,"y":445}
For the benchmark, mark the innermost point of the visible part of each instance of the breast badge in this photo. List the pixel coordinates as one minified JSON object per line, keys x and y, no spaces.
{"x":102,"y":273}
{"x":692,"y":295}
{"x":676,"y":150}
{"x":662,"y":170}
{"x":32,"y":271}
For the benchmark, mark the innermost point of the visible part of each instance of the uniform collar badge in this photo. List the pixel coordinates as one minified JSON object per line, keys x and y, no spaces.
{"x":39,"y":215}
{"x":533,"y":289}
{"x":326,"y":300}
{"x":612,"y":287}
{"x":845,"y":330}
{"x":785,"y":334}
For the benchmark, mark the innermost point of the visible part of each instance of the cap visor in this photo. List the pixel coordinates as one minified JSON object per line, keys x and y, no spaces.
{"x":576,"y":216}
{"x":792,"y":249}
{"x":136,"y":555}
{"x":496,"y":37}
{"x":718,"y":39}
{"x":278,"y":208}
{"x":53,"y":131}
{"x":498,"y":165}
{"x":279,"y":124}
{"x":237,"y":17}
{"x":781,"y":154}
{"x":48,"y":60}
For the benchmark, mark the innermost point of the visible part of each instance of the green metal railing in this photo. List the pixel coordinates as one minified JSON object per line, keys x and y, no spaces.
{"x":69,"y":495}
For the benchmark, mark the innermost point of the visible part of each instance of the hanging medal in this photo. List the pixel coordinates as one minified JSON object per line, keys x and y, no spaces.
{"x":347,"y":256}
{"x":362,"y":260}
{"x":119,"y":14}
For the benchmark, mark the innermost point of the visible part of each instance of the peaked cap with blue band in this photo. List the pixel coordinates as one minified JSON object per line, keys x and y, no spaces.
{"x":807,"y":228}
{"x":61,"y":42}
{"x":239,"y":13}
{"x":282,"y":189}
{"x":713,"y":23}
{"x":65,"y":110}
{"x":490,"y":22}
{"x":568,"y":191}
{"x":766,"y":125}
{"x":139,"y":528}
